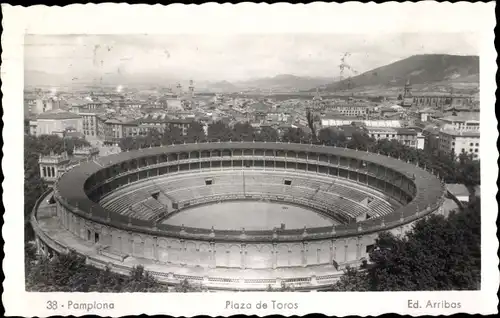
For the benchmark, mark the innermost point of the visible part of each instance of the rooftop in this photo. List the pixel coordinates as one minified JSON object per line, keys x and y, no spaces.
{"x":440,"y":94}
{"x":406,"y":131}
{"x":461,"y":133}
{"x":155,"y":118}
{"x":74,"y":102}
{"x":58,"y":114}
{"x":259,"y":107}
{"x":462,"y":117}
{"x":457,"y":189}
{"x":427,"y":110}
{"x":120,"y":120}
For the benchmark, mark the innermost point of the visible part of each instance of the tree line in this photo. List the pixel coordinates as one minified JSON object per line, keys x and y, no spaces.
{"x":70,"y":273}
{"x":34,"y":187}
{"x":447,"y":166}
{"x":437,"y":254}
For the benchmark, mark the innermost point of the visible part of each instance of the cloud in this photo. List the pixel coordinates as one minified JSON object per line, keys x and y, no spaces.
{"x":234,"y":57}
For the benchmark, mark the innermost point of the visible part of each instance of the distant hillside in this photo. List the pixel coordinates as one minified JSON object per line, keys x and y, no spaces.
{"x":222,"y":87}
{"x":419,"y":69}
{"x":285,"y":82}
{"x":38,"y":78}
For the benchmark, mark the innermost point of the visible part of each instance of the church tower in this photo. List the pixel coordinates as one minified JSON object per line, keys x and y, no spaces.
{"x":407,"y":92}
{"x":317,"y":100}
{"x":191,"y":89}
{"x":407,"y":95}
{"x":179,"y":90}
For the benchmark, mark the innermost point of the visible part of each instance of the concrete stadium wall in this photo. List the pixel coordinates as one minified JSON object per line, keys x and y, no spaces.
{"x":211,"y":254}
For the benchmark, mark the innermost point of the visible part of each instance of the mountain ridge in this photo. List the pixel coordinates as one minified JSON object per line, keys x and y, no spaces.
{"x":418,"y":69}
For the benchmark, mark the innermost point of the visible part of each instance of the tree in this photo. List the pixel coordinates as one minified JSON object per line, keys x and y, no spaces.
{"x":219,"y":131}
{"x":172,"y":135}
{"x":438,"y":254}
{"x":328,"y":136}
{"x":107,"y":282}
{"x":310,"y":124}
{"x":186,"y":287}
{"x":26,"y":125}
{"x":296,"y":135}
{"x":352,"y":280}
{"x":268,"y":134}
{"x":360,"y":141}
{"x":195,"y":133}
{"x":34,"y":186}
{"x":140,"y":280}
{"x":152,"y":138}
{"x":286,"y":288}
{"x":243,"y":132}
{"x":70,"y":273}
{"x":72,"y":143}
{"x":128,"y":143}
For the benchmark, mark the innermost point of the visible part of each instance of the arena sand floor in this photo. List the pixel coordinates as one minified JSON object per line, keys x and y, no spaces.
{"x":251,"y":215}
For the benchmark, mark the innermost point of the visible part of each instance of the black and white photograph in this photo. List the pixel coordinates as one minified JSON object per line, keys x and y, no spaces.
{"x":252,"y":162}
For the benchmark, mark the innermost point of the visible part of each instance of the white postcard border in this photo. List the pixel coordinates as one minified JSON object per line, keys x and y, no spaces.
{"x":244,"y":18}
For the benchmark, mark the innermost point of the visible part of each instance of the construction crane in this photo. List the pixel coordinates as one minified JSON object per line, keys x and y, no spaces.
{"x":345,"y":66}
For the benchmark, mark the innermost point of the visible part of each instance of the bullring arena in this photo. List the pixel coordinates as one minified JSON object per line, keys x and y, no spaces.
{"x":234,"y":216}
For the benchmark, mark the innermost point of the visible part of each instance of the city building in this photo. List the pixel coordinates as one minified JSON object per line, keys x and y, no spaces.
{"x":259,"y":110}
{"x":182,"y":124}
{"x":434,"y":99}
{"x":462,"y":110}
{"x":461,"y":123}
{"x":460,"y":142}
{"x":440,"y":100}
{"x":426,"y":114}
{"x":29,"y":103}
{"x":191,"y":89}
{"x":93,"y":116}
{"x":277,"y":117}
{"x":317,"y":101}
{"x":345,"y":120}
{"x":32,"y":127}
{"x":431,"y":138}
{"x":407,"y":136}
{"x":55,"y":122}
{"x":93,"y":124}
{"x":53,"y":166}
{"x":43,"y":104}
{"x":119,"y":127}
{"x":86,"y":153}
{"x":75,"y":104}
{"x":161,"y":123}
{"x":351,"y":108}
{"x":389,"y":111}
{"x":158,"y":122}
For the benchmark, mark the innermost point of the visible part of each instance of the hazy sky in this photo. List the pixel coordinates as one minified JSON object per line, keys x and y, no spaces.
{"x":213,"y":57}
